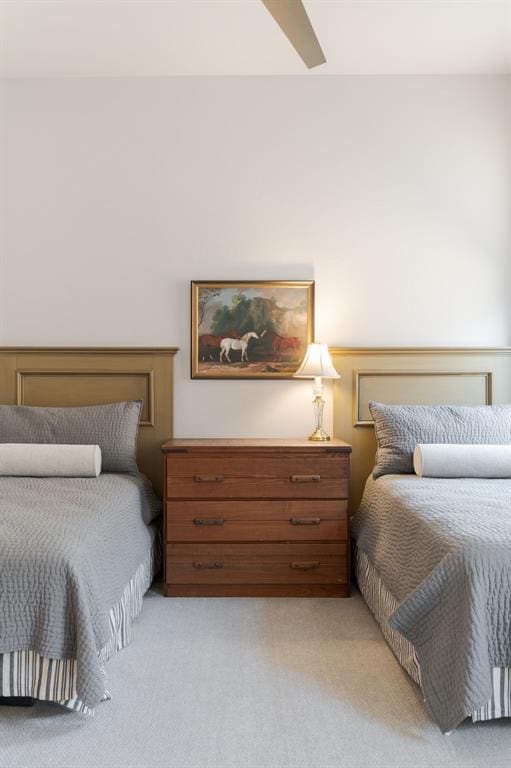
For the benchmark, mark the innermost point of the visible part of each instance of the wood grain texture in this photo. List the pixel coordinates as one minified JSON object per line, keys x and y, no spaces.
{"x":237,"y":445}
{"x":254,"y":520}
{"x":257,"y":563}
{"x":256,"y":476}
{"x":256,"y":590}
{"x":333,"y":466}
{"x":256,"y":517}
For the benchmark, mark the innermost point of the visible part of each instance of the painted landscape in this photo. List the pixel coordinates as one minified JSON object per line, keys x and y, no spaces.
{"x":250,"y":330}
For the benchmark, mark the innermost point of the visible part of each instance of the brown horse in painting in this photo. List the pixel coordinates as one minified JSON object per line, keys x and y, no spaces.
{"x":284,"y":344}
{"x":209,"y":345}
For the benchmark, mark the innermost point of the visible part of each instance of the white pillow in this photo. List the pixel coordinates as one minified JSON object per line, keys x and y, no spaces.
{"x":451,"y":460}
{"x":49,"y":460}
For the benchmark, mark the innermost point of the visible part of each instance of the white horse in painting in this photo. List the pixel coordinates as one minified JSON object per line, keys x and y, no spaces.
{"x":227,"y":344}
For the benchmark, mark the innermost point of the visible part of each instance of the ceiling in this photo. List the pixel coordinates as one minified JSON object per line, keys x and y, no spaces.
{"x":157,"y":38}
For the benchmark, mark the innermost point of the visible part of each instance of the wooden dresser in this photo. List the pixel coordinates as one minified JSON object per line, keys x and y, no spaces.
{"x":256,"y":518}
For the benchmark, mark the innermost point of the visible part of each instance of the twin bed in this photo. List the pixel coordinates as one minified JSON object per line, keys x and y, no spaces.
{"x":433,"y":562}
{"x":77,"y":554}
{"x":433,"y":556}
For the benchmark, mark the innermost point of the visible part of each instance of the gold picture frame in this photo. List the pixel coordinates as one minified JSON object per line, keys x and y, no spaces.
{"x":250,"y":329}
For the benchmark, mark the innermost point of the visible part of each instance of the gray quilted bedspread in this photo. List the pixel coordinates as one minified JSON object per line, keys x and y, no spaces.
{"x":68,"y":547}
{"x":443,"y":548}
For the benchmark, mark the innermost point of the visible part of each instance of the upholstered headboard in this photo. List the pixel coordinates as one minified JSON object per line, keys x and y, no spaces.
{"x":460,"y":376}
{"x":74,"y":376}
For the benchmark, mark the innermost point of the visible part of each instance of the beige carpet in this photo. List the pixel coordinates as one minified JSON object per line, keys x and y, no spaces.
{"x":251,"y":684}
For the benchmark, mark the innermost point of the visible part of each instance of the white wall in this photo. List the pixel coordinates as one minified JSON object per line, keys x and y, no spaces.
{"x":394,"y":194}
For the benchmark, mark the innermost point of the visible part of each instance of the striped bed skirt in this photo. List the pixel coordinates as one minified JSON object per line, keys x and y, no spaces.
{"x":27,"y":674}
{"x":382,"y":604}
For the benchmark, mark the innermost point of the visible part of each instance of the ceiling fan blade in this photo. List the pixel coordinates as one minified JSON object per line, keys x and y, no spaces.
{"x":292,"y":18}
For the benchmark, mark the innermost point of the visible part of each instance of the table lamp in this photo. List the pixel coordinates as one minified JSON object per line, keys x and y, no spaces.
{"x":317,"y":364}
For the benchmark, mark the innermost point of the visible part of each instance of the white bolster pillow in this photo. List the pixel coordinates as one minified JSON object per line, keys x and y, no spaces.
{"x":450,"y":460}
{"x":49,"y":460}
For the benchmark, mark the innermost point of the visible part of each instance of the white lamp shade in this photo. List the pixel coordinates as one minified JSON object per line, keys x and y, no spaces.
{"x":317,"y":363}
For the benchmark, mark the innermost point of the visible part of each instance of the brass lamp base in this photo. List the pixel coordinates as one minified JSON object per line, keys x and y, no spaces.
{"x":319,"y":435}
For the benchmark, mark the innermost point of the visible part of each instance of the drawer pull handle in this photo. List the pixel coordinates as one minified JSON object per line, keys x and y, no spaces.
{"x":208,"y":478}
{"x":305,"y":520}
{"x":305,"y":566}
{"x":214,"y":565}
{"x":305,"y":478}
{"x":208,"y":521}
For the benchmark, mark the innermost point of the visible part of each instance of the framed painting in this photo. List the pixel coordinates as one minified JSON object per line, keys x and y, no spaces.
{"x":255,"y":329}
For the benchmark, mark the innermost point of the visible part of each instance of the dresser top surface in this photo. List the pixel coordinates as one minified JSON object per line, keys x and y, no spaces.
{"x":248,"y":444}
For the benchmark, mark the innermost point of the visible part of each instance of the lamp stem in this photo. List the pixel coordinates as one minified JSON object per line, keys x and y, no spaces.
{"x":318,"y":405}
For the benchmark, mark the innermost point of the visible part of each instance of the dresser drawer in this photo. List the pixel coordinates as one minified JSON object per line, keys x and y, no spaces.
{"x":256,"y":476}
{"x":282,"y":563}
{"x":251,"y":520}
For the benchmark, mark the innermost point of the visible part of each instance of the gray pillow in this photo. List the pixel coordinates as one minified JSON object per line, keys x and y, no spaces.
{"x":398,"y":429}
{"x":113,"y":427}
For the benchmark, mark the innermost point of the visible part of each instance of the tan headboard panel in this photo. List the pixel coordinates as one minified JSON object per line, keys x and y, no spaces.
{"x":61,"y":376}
{"x":410,"y":376}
